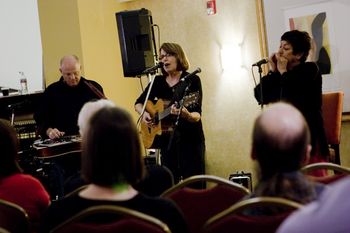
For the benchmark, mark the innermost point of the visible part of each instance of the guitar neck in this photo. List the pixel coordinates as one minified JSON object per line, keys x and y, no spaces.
{"x":164,"y":114}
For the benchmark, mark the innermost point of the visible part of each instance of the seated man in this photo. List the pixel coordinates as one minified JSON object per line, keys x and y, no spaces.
{"x":62,"y":100}
{"x":281,"y":145}
{"x":58,"y":115}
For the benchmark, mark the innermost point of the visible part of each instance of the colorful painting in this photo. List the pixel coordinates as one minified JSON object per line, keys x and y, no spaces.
{"x":317,"y":26}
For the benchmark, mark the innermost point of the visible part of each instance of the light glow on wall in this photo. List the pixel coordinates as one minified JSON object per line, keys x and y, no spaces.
{"x":231,"y":57}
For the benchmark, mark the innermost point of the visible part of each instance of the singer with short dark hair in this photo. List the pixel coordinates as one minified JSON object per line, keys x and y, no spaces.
{"x":62,"y":100}
{"x":294,"y":80}
{"x":182,"y":142}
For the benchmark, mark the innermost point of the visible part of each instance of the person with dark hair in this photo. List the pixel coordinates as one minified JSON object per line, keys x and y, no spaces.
{"x":16,"y":187}
{"x":62,"y":100}
{"x":112,"y":163}
{"x":298,"y":82}
{"x":182,"y":143}
{"x":280,"y":146}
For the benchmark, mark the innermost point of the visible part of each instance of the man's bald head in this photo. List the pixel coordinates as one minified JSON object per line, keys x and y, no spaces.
{"x":70,"y":69}
{"x":281,"y":139}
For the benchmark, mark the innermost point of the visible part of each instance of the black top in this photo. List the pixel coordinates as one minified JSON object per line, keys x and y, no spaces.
{"x":164,"y":210}
{"x":61,"y":104}
{"x":302,"y":87}
{"x":161,"y":90}
{"x":183,"y":150}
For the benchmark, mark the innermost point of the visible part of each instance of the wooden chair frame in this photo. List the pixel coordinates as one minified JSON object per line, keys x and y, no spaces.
{"x":251,"y":203}
{"x":204,"y":178}
{"x":118,"y":210}
{"x":21,"y":222}
{"x":325,"y":165}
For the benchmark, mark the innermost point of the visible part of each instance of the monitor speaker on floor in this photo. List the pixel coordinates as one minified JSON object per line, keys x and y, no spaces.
{"x":136,"y":39}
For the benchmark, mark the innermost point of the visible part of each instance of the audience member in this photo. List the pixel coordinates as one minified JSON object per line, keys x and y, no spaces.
{"x":62,"y":100}
{"x":111,"y":164}
{"x":157,"y":180}
{"x":75,"y":181}
{"x":327,"y":214}
{"x":16,"y":187}
{"x":281,"y":145}
{"x":89,"y":109}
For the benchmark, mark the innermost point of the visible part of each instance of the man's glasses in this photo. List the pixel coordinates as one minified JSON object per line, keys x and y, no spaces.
{"x":165,"y":55}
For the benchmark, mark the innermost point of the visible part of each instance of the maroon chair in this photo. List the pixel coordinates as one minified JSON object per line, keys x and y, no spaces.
{"x":111,"y":219}
{"x":234,"y":219}
{"x":198,"y":205}
{"x":332,"y":109}
{"x":13,"y":218}
{"x":334,"y":172}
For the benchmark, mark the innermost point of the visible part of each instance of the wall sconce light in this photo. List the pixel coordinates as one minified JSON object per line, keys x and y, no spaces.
{"x":231,"y":57}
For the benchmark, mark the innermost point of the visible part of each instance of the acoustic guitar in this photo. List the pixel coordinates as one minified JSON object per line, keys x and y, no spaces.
{"x":161,"y":122}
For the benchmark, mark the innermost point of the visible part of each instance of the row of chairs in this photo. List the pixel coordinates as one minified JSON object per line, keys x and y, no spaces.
{"x":217,"y":208}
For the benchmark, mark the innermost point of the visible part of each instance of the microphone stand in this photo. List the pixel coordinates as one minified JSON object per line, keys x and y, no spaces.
{"x":151,"y":81}
{"x":261,"y":87}
{"x":171,"y":139}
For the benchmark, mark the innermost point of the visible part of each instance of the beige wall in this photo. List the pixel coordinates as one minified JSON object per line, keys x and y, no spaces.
{"x":229,"y":107}
{"x":60,"y":33}
{"x":88,"y":28}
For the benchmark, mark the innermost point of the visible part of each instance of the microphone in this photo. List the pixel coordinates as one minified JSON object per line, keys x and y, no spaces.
{"x":261,"y":62}
{"x":153,"y":68}
{"x":198,"y":70}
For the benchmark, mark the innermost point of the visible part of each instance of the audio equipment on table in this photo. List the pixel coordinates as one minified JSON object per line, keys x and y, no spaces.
{"x":52,"y":147}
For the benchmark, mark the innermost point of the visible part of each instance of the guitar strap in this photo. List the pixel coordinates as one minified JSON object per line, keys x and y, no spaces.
{"x":181,"y":89}
{"x":96,"y":91}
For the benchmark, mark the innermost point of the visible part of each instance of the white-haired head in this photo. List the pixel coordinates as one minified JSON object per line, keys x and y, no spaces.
{"x":88,"y":110}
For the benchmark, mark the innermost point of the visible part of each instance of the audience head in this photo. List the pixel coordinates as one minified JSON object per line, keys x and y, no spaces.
{"x":70,"y":69}
{"x":9,"y":149}
{"x":111,"y":149}
{"x":281,"y":140}
{"x":175,"y":50}
{"x":88,"y":110}
{"x":300,"y":41}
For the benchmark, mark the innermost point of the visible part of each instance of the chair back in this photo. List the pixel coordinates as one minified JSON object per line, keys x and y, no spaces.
{"x":235,"y":219}
{"x":13,"y":218}
{"x":110,"y":219}
{"x":198,"y":205}
{"x":332,"y":109}
{"x":334,"y":172}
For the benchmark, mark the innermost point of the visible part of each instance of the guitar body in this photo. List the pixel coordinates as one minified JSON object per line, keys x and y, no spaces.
{"x":149,"y":134}
{"x":162,"y":122}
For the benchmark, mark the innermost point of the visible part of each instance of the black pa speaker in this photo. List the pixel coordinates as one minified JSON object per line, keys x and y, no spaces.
{"x":136,"y":38}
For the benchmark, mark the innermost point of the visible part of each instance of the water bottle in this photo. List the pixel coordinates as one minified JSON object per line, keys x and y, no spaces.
{"x":24,"y":85}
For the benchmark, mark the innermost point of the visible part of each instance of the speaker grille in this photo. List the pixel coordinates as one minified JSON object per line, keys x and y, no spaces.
{"x":136,"y":41}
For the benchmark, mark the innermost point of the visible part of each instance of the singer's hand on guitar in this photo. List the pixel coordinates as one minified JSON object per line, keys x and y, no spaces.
{"x":174,"y":110}
{"x":185,"y":114}
{"x":146,"y":118}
